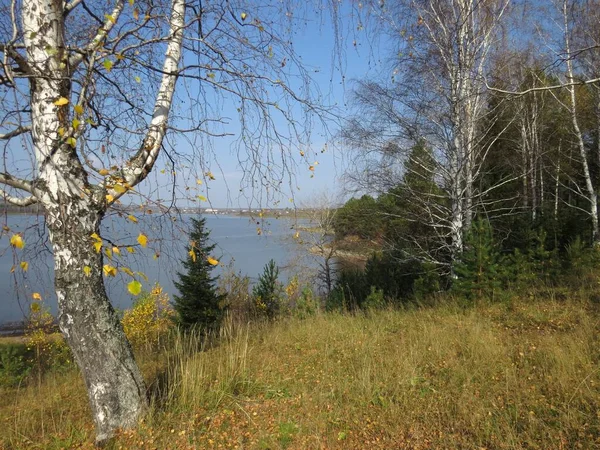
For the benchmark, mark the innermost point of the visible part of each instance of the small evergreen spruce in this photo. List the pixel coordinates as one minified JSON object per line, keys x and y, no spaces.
{"x":198,"y":305}
{"x":478,"y":271}
{"x":267,"y":291}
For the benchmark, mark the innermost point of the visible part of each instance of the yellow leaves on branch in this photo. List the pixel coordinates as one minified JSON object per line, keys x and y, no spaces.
{"x":36,"y":296}
{"x":24,"y":266}
{"x":127,"y":270}
{"x":109,"y":270}
{"x":132,"y":218}
{"x":212,"y":261}
{"x":62,"y":101}
{"x":134,"y":287}
{"x":17,"y":241}
{"x":192,"y":254}
{"x":78,"y":109}
{"x":87,"y":270}
{"x":142,"y":240}
{"x":97,"y":242}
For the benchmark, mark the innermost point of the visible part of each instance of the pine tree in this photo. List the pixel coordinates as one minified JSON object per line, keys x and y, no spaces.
{"x":267,"y":291}
{"x":198,"y":305}
{"x":479,"y":269}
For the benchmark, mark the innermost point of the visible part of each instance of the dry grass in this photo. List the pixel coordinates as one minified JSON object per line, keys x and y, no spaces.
{"x":495,"y":376}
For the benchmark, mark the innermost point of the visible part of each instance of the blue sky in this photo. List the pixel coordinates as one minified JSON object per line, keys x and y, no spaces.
{"x":333,"y":65}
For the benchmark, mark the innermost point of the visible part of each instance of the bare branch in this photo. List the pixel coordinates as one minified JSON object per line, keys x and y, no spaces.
{"x":18,"y":131}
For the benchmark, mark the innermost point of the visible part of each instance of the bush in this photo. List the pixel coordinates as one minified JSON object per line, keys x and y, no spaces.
{"x":150,"y":318}
{"x":16,"y":363}
{"x":49,"y":351}
{"x":235,"y":288}
{"x":375,"y":299}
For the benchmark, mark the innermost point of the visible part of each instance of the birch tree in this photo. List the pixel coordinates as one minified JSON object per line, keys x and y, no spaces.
{"x":437,"y":95}
{"x":88,"y":92}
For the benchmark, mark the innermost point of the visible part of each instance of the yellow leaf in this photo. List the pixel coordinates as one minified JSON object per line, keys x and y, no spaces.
{"x":103,"y":172}
{"x":109,"y":270}
{"x":297,"y":235}
{"x":132,"y":218}
{"x":75,"y":123}
{"x":71,"y":141}
{"x":87,"y":270}
{"x":243,"y":16}
{"x":156,"y":256}
{"x":136,"y":13}
{"x":108,"y":253}
{"x":127,"y":271}
{"x":119,"y":188}
{"x":311,"y":168}
{"x":202,"y":198}
{"x":61,"y":101}
{"x":12,"y":269}
{"x":199,"y":182}
{"x":109,"y":18}
{"x":78,"y":109}
{"x":116,"y":250}
{"x":192,"y":254}
{"x":131,"y":2}
{"x":131,"y":249}
{"x":134,"y":287}
{"x":24,"y":266}
{"x":210,"y":175}
{"x":138,"y":79}
{"x":301,"y":153}
{"x":107,"y":64}
{"x":36,"y":296}
{"x":143,"y":275}
{"x":17,"y":241}
{"x":211,"y":75}
{"x":95,"y":237}
{"x":61,"y":131}
{"x":109,"y":198}
{"x":98,"y":246}
{"x":142,"y":240}
{"x":212,"y":261}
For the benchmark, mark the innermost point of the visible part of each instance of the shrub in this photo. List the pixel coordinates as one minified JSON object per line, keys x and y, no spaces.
{"x":375,"y":299}
{"x":48,"y":348}
{"x":150,"y":318}
{"x":236,"y":290}
{"x":15,"y":364}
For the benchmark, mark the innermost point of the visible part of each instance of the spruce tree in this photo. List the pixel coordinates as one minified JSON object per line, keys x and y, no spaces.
{"x":198,"y":305}
{"x":479,"y":270}
{"x":267,"y":291}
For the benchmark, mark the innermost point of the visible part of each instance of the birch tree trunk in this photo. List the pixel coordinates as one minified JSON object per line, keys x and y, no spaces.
{"x":74,"y":209}
{"x":90,"y":325}
{"x":592,"y":196}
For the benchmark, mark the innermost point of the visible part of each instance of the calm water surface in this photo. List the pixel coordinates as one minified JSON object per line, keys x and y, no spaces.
{"x":239,"y":247}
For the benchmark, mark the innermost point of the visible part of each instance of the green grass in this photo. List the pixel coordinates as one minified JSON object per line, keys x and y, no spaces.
{"x":504,"y":376}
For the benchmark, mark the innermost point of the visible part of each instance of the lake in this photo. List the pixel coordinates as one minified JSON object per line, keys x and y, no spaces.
{"x":240,"y":248}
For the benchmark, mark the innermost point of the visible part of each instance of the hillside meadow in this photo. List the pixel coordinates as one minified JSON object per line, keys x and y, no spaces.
{"x":522,"y":374}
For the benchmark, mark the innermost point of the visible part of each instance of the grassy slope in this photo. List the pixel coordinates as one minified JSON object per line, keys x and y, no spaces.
{"x":502,"y":377}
